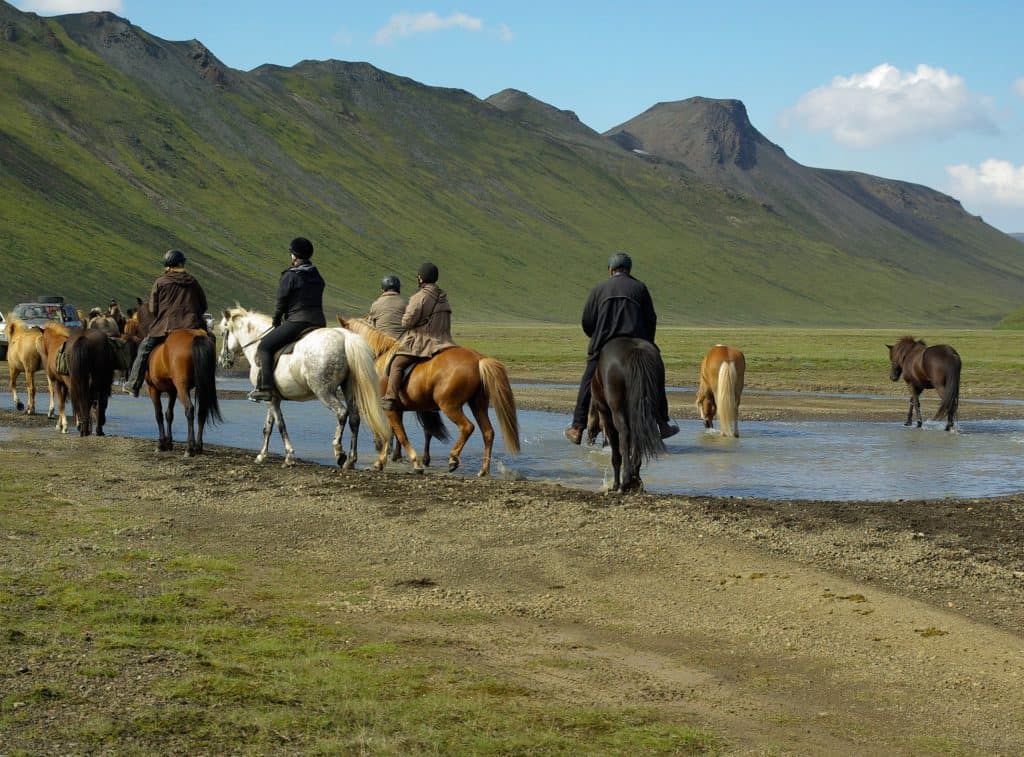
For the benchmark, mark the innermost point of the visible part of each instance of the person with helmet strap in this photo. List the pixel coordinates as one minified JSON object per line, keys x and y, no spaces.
{"x":175,"y":302}
{"x":300,"y":306}
{"x":387,"y":310}
{"x":428,"y":330}
{"x":618,"y":306}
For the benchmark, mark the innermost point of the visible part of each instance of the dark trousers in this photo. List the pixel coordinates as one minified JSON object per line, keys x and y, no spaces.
{"x":277,"y":339}
{"x":146,"y":346}
{"x":398,"y":364}
{"x":582,"y":409}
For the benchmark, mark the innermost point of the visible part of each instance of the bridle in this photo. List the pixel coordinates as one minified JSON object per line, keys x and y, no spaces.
{"x":227,"y":357}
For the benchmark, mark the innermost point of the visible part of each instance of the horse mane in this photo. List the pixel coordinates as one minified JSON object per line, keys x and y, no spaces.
{"x":57,"y":328}
{"x":383,"y":345}
{"x":910,"y":341}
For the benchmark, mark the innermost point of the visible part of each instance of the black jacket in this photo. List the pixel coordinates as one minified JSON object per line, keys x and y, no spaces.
{"x":618,"y":306}
{"x":300,"y":295}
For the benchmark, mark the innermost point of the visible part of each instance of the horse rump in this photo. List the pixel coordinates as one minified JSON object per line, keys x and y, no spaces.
{"x":642,"y":369}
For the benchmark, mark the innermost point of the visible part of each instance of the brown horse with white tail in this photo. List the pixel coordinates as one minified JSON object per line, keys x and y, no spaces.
{"x":721,"y":384}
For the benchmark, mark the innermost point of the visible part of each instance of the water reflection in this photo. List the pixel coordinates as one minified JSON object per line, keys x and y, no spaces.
{"x":773,"y":460}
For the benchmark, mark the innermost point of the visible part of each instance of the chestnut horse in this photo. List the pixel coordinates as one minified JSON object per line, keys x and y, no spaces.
{"x":924,"y":367}
{"x":450,"y":379}
{"x":184,"y":362}
{"x":626,"y":390}
{"x":23,"y":356}
{"x":721,"y":384}
{"x":90,"y":366}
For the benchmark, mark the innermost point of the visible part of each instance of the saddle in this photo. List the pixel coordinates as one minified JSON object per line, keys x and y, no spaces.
{"x":290,"y":347}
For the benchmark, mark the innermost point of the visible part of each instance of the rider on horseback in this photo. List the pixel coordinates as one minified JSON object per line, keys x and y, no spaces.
{"x":300,"y":297}
{"x":175,"y":302}
{"x":618,"y":306}
{"x":387,"y":310}
{"x":428,"y":330}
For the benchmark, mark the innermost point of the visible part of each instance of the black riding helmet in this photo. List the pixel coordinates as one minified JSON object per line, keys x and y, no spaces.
{"x":620,"y":261}
{"x":174,"y":259}
{"x":428,"y":272}
{"x":391,"y":283}
{"x":301,"y":248}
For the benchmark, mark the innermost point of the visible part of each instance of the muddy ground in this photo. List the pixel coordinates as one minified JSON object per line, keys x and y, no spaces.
{"x":787,"y":627}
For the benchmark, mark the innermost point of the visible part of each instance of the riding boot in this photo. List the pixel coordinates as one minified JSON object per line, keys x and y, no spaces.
{"x":137,"y":375}
{"x":264,"y":391}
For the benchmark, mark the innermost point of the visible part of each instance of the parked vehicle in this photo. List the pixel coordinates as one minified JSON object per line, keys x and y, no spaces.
{"x":46,"y":309}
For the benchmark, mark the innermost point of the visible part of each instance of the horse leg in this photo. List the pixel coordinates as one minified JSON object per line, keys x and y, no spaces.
{"x":190,"y":418}
{"x":628,"y":483}
{"x":910,"y":411}
{"x":51,"y":412}
{"x":426,"y":448}
{"x":101,"y":412}
{"x":398,"y":429}
{"x":941,"y":390}
{"x":268,"y":429}
{"x":479,"y":406}
{"x":454,"y":412}
{"x":30,"y":383}
{"x":917,"y":406}
{"x":13,"y":383}
{"x":612,"y":432}
{"x":61,"y":393}
{"x":289,"y":450}
{"x":341,"y":412}
{"x":158,"y":411}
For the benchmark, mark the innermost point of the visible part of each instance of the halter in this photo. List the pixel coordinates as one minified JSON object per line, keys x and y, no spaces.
{"x":227,"y":359}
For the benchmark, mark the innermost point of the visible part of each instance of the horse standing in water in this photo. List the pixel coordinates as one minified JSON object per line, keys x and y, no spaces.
{"x":90,"y":373}
{"x":185,"y":362}
{"x":924,"y":367}
{"x":23,"y":356}
{"x":625,"y":391}
{"x":323,"y":364}
{"x":450,"y":379}
{"x":721,"y":384}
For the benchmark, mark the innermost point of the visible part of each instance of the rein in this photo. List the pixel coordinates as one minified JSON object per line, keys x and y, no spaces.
{"x":249,"y":344}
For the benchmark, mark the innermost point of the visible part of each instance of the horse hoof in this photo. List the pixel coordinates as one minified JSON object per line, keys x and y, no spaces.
{"x":261,"y":458}
{"x":288,"y":462}
{"x":378,"y":466}
{"x":919,"y":424}
{"x":341,"y":458}
{"x":20,"y":406}
{"x":453,"y":464}
{"x":99,"y":432}
{"x":483,"y":474}
{"x":425,"y":461}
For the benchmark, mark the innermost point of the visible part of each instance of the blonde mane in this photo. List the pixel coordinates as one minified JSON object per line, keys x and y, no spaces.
{"x":57,"y":328}
{"x":382,"y":345}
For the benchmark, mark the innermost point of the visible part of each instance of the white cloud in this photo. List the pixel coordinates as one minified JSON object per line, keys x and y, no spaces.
{"x":58,"y":7}
{"x":994,"y":181}
{"x":1018,"y":86}
{"x":407,"y":24}
{"x":889,"y":105}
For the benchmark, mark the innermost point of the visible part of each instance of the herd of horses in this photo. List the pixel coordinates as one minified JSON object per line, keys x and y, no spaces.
{"x":345,"y":368}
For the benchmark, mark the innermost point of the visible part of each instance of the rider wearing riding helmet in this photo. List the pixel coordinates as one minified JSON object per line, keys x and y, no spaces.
{"x":175,"y":302}
{"x":300,"y":297}
{"x":618,"y":306}
{"x":387,"y":310}
{"x":428,"y":330}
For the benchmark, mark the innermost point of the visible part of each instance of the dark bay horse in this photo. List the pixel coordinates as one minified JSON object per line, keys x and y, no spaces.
{"x":90,"y":373}
{"x":721,"y":385}
{"x":626,"y":391}
{"x":450,"y":379}
{"x":183,"y":364}
{"x":924,"y":367}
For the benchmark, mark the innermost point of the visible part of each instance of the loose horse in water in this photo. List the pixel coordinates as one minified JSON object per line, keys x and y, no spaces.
{"x":924,"y":367}
{"x":323,"y":364}
{"x":721,"y":384}
{"x":90,"y":373}
{"x":450,"y":379}
{"x":183,"y":364}
{"x":626,"y":390}
{"x":23,"y":356}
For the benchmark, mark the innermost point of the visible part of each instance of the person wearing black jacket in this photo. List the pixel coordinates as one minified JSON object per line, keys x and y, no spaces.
{"x":300,"y":297}
{"x":618,"y":306}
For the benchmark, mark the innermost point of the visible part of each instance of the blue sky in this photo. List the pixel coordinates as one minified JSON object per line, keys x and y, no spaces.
{"x":924,"y":92}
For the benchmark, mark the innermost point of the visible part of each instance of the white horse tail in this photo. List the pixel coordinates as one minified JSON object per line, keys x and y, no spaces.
{"x":725,"y":395}
{"x":363,"y":374}
{"x":499,"y":392}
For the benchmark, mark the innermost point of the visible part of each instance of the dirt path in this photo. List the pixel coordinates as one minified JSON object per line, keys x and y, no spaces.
{"x":786,"y":627}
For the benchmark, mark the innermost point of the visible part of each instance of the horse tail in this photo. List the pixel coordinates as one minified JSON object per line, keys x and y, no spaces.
{"x":204,"y":376}
{"x":642,"y":369}
{"x":725,"y":395}
{"x":80,"y":379}
{"x":951,"y":399}
{"x":499,"y":392}
{"x":366,"y":386}
{"x":430,"y":421}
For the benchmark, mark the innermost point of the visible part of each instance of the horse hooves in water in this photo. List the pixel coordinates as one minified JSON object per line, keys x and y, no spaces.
{"x":919,"y":424}
{"x":453,"y":464}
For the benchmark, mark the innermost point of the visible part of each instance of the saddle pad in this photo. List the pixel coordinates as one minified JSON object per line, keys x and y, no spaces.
{"x":289,"y":348}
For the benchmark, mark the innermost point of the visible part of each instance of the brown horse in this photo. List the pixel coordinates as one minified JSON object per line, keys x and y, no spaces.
{"x":23,"y":357}
{"x":626,"y":390}
{"x":450,"y":379}
{"x":924,"y":367}
{"x":185,"y":361}
{"x":721,"y":384}
{"x":90,"y":373}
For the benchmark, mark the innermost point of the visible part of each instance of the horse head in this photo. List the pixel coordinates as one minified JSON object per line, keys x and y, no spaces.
{"x":706,"y":406}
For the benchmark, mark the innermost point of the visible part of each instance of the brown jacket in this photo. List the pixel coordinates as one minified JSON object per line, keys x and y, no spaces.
{"x":427,"y":322}
{"x":386,"y":314}
{"x":176,"y":302}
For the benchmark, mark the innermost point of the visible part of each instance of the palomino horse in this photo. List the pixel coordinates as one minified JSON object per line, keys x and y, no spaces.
{"x":450,"y":379}
{"x":185,"y":361}
{"x":23,"y":357}
{"x":721,"y":384}
{"x":924,"y":367}
{"x":90,"y":362}
{"x":324,"y":364}
{"x":626,"y":391}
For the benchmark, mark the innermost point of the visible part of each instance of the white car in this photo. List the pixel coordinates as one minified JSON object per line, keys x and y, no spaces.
{"x":3,"y":337}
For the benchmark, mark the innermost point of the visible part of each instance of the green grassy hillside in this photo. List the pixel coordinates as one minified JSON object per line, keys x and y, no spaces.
{"x":116,"y":145}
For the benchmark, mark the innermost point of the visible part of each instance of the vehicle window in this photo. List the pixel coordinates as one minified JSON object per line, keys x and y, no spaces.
{"x":70,"y":314}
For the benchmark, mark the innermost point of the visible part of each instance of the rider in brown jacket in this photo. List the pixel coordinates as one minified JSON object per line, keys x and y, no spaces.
{"x":428,"y":330}
{"x":387,"y":310}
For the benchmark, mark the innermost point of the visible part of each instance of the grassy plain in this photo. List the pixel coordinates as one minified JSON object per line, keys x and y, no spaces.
{"x":797,"y":359}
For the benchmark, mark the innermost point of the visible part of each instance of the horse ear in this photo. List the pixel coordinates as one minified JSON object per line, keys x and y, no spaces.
{"x":341,"y":321}
{"x":227,"y":315}
{"x":889,"y":346}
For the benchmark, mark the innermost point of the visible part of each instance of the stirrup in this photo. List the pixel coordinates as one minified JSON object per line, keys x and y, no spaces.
{"x":261,"y":395}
